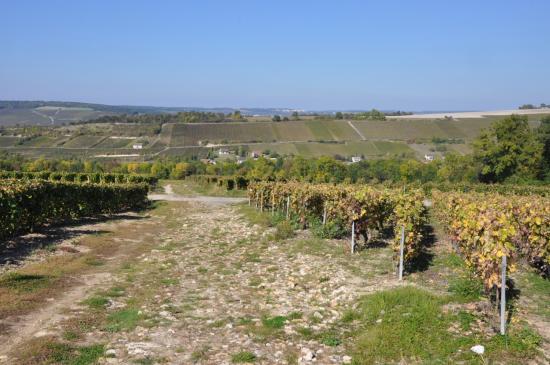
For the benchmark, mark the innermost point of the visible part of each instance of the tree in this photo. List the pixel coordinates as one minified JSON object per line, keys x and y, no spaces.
{"x":295,"y":116}
{"x":509,"y":148}
{"x":180,"y":170}
{"x":237,"y":115}
{"x":339,"y":115}
{"x":456,"y":168}
{"x":276,"y":118}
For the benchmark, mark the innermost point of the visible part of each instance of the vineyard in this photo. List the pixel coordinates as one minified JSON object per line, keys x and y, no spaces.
{"x":484,"y":227}
{"x":367,"y":210}
{"x":96,"y":177}
{"x":27,"y":205}
{"x":295,"y":292}
{"x":488,"y":226}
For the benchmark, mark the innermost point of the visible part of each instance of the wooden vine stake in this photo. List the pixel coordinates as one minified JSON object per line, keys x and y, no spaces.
{"x":503,"y":298}
{"x":401,"y":252}
{"x":288,"y":207}
{"x":262,"y":202}
{"x":324,"y":213}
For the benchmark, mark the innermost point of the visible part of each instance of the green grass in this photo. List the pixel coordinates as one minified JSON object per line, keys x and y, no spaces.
{"x":23,"y":283}
{"x":63,"y":354}
{"x":466,"y":287}
{"x":408,"y":324}
{"x":274,"y":322}
{"x":243,"y":357}
{"x":200,"y":354}
{"x":122,"y":320}
{"x":97,"y":302}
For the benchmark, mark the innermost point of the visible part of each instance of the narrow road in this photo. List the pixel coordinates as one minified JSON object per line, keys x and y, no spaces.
{"x":357,"y":130}
{"x":169,"y":195}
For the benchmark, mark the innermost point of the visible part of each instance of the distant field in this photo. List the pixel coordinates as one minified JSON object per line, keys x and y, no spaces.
{"x":309,"y":138}
{"x":115,"y":143}
{"x":83,"y":141}
{"x":476,"y":115}
{"x":42,"y":115}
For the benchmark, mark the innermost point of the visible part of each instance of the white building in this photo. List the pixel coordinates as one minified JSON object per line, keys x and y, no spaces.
{"x":137,"y":146}
{"x":224,"y":152}
{"x":355,"y":159}
{"x":428,"y":157}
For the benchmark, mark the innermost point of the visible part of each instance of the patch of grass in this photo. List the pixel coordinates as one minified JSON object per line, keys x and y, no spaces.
{"x":466,"y":287}
{"x":294,"y":315}
{"x":148,"y":360}
{"x":51,"y":352}
{"x":202,"y":270}
{"x":200,"y":354}
{"x":349,"y":316}
{"x":274,"y":322}
{"x":70,"y":335}
{"x":291,"y":358}
{"x":122,"y":320}
{"x":115,"y":292}
{"x":97,"y":302}
{"x":244,"y":321}
{"x":330,"y":339}
{"x":451,"y":259}
{"x":252,"y":257}
{"x":243,"y":357}
{"x":23,"y":283}
{"x":523,"y":341}
{"x":313,"y":246}
{"x":255,"y":281}
{"x":407,"y":324}
{"x":306,"y":332}
{"x":283,"y":231}
{"x":169,"y":282}
{"x":254,"y":216}
{"x":94,"y":261}
{"x":465,"y":319}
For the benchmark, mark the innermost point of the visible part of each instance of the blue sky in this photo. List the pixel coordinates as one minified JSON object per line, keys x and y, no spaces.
{"x":412,"y":55}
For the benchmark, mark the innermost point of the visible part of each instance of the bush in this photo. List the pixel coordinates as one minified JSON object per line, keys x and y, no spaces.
{"x":283,"y":230}
{"x":332,"y":229}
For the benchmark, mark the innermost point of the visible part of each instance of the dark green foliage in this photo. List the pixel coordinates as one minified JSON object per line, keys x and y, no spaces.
{"x":467,"y":287}
{"x":509,"y":148}
{"x":334,"y":228}
{"x":105,"y":178}
{"x":27,"y":205}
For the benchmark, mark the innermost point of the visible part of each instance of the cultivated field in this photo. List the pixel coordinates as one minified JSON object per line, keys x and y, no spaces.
{"x":309,"y":138}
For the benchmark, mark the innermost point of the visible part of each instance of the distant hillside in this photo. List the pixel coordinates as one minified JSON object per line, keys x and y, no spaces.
{"x":13,"y":112}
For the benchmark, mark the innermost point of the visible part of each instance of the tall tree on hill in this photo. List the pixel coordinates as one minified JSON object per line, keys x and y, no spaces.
{"x":508,"y":149}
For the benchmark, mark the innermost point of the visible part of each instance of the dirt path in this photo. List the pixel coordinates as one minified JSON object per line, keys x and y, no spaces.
{"x":103,"y":245}
{"x":169,"y":195}
{"x":36,"y":323}
{"x":215,"y":287}
{"x":230,"y":291}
